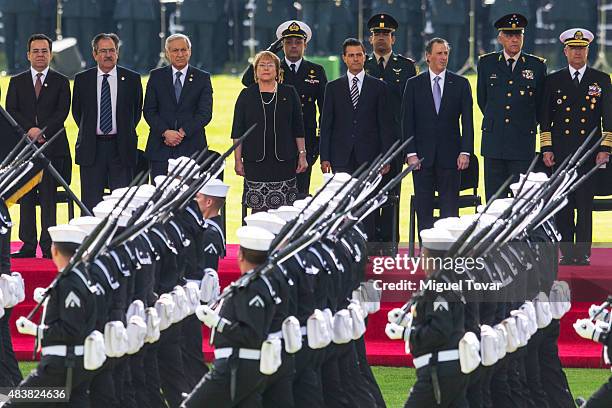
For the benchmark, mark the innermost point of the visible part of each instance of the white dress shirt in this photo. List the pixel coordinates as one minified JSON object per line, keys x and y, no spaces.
{"x":580,"y":72}
{"x":112,"y":82}
{"x":42,"y":78}
{"x":442,"y":76}
{"x":515,"y":58}
{"x":360,"y":76}
{"x":297,"y":63}
{"x":184,"y":71}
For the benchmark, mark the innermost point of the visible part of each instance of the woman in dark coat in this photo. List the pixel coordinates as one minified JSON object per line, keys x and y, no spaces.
{"x":274,"y":152}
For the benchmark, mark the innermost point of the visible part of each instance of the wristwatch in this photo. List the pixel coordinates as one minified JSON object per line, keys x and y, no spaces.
{"x":302,"y":151}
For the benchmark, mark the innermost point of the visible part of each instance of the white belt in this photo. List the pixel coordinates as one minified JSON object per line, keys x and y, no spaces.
{"x":245,"y":354}
{"x":276,"y":335}
{"x":61,"y":351}
{"x":446,"y":355}
{"x":303,"y":330}
{"x":193,"y":280}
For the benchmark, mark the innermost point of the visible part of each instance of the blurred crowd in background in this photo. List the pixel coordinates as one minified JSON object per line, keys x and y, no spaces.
{"x":227,"y":32}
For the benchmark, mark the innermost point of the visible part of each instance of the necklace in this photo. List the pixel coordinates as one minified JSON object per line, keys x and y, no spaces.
{"x":271,"y":99}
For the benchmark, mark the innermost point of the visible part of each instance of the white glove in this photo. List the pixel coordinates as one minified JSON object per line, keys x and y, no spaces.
{"x":207,"y":316}
{"x":603,"y":326}
{"x":400,"y":316}
{"x":587,"y":329}
{"x":25,"y":326}
{"x":595,"y":310}
{"x":396,"y":332}
{"x":38,"y":294}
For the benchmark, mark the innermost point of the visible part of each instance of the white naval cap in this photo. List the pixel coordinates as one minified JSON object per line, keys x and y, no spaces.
{"x":67,"y":233}
{"x":286,"y":212}
{"x":265,"y":220}
{"x":215,"y":188}
{"x":437,"y":239}
{"x":294,"y":28}
{"x":184,"y":163}
{"x":255,"y":238}
{"x":576,"y":37}
{"x":87,"y":223}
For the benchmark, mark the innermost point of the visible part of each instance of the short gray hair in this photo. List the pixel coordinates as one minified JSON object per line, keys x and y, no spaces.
{"x":437,"y":40}
{"x":178,"y":37}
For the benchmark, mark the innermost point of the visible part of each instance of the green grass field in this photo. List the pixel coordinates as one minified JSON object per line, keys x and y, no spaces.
{"x":396,"y":382}
{"x":226,"y":89}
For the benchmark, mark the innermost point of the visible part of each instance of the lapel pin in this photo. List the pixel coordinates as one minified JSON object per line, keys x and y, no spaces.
{"x":123,"y":78}
{"x":46,"y":84}
{"x":190,"y":79}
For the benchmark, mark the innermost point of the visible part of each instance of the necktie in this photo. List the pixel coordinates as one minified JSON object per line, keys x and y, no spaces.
{"x":38,"y":85}
{"x":576,"y":80}
{"x":293,"y":68}
{"x":178,"y":87}
{"x":355,"y":92}
{"x":437,"y":93}
{"x":381,"y":64}
{"x":106,"y":109}
{"x":511,"y":64}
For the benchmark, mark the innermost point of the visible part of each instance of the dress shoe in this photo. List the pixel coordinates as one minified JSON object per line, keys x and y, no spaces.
{"x":23,"y":254}
{"x":583,"y":260}
{"x":566,"y":260}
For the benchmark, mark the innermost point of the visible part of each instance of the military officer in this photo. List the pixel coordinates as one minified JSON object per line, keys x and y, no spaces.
{"x":577,"y":99}
{"x":394,"y":70}
{"x":509,"y":90}
{"x":69,"y":317}
{"x":239,"y":328}
{"x":309,"y":80}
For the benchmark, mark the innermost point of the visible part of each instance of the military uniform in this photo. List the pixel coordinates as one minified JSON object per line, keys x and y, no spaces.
{"x":136,"y":27}
{"x":449,"y":20}
{"x":394,"y":71}
{"x":80,"y":21}
{"x":563,"y":14}
{"x":569,"y":114}
{"x":525,"y":7}
{"x":199,"y":18}
{"x":267,"y":13}
{"x":410,"y":17}
{"x":19,"y":18}
{"x":334,"y":23}
{"x":509,"y":101}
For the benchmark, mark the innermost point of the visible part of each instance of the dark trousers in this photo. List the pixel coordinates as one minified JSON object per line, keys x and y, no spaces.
{"x":278,"y":390}
{"x":452,"y":387}
{"x":387,"y":218}
{"x":533,"y":371}
{"x":152,"y":381}
{"x":46,"y":195}
{"x":335,"y":393}
{"x":83,"y":29}
{"x":102,"y":387}
{"x":122,"y":376}
{"x":136,"y":35}
{"x":352,"y":377}
{"x":171,"y":370}
{"x":474,"y":394}
{"x":51,"y":372}
{"x":9,"y":369}
{"x":498,"y":170}
{"x":366,"y":372}
{"x":107,"y":171}
{"x":427,"y":181}
{"x":501,"y":394}
{"x":214,"y":389}
{"x":307,"y":387}
{"x":602,"y":398}
{"x":555,"y":384}
{"x":203,"y":34}
{"x":139,"y":378}
{"x":312,"y":154}
{"x":577,"y":233}
{"x":191,"y":350}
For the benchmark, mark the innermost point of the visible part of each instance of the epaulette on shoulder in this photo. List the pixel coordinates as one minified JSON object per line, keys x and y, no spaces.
{"x":400,"y":56}
{"x":487,"y":55}
{"x":536,"y":57}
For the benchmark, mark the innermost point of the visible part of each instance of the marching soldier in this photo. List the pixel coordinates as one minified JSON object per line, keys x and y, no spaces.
{"x":510,"y":88}
{"x":576,"y":100}
{"x":309,"y":80}
{"x":69,"y":317}
{"x":394,"y":70}
{"x":239,"y":328}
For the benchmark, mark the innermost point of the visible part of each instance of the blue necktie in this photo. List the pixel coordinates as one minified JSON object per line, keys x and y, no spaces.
{"x":437,"y":93}
{"x":178,"y":86}
{"x":106,"y":109}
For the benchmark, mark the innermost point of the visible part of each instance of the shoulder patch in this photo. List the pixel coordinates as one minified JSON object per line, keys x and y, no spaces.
{"x":257,"y":301}
{"x":440,"y":304}
{"x":312,"y":270}
{"x":211,"y":249}
{"x":72,"y":300}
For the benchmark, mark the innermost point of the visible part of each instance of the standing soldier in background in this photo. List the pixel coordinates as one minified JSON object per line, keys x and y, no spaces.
{"x":199,"y":17}
{"x":509,"y":90}
{"x":449,"y":18}
{"x":267,"y":13}
{"x":409,"y":16}
{"x":309,"y":80}
{"x":565,"y":14}
{"x":80,"y":20}
{"x":335,"y":24}
{"x":394,"y":70}
{"x":19,"y":18}
{"x":135,"y":26}
{"x":576,"y":100}
{"x":527,"y":8}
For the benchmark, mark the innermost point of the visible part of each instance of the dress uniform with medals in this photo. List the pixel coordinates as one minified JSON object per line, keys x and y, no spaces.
{"x":394,"y":70}
{"x":68,"y":318}
{"x":309,"y":80}
{"x":509,"y":92}
{"x":576,"y":100}
{"x":239,"y":328}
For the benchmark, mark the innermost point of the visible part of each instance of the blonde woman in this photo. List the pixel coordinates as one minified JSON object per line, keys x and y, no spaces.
{"x":274,"y":152}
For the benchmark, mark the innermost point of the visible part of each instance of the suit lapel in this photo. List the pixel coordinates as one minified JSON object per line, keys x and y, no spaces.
{"x":187,"y":85}
{"x":120,"y":93}
{"x":449,"y":85}
{"x":344,"y":90}
{"x":170,"y":81}
{"x":426,"y":83}
{"x":365,"y":90}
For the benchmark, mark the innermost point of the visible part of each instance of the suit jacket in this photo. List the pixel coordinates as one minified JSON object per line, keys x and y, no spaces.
{"x":128,"y":111}
{"x":368,"y":129}
{"x":192,"y":112}
{"x":50,"y":109}
{"x":437,"y":136}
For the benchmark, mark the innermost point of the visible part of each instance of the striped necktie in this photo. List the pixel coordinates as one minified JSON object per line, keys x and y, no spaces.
{"x":355,"y":92}
{"x":106,"y":109}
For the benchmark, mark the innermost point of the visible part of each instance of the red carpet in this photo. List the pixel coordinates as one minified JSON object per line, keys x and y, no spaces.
{"x":588,"y":284}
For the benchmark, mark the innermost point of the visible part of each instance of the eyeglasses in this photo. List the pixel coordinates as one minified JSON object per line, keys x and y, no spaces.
{"x":267,"y":66}
{"x":110,"y":51}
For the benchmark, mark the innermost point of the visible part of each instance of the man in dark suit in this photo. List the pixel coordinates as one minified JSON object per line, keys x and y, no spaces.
{"x":435,"y":103}
{"x":577,"y":99}
{"x":355,"y":123}
{"x":178,"y":104}
{"x":106,"y":106}
{"x":38,"y":98}
{"x":309,"y":80}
